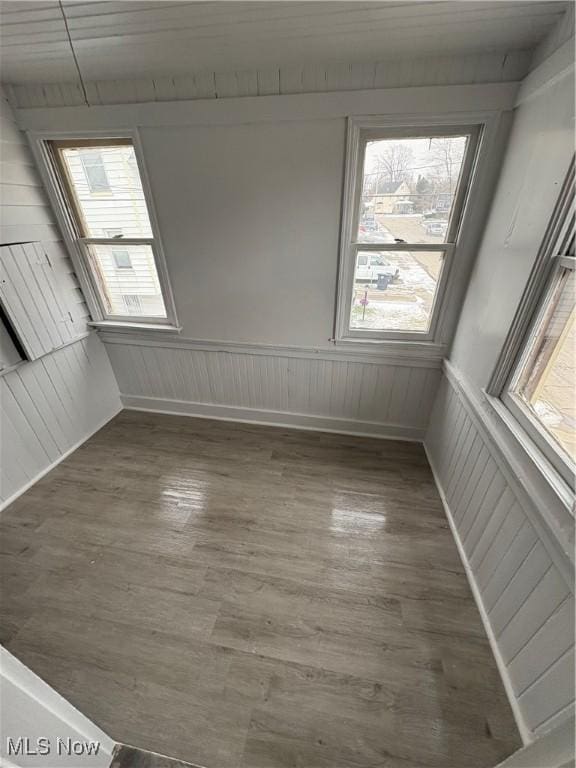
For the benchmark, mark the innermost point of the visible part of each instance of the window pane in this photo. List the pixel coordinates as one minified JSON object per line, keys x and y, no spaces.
{"x":94,"y":170}
{"x":395,"y":290}
{"x":409,"y":187}
{"x":547,"y":382}
{"x":128,"y":291}
{"x":108,"y":190}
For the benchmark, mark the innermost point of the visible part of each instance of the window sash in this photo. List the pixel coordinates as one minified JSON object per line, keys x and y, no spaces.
{"x":351,"y":216}
{"x":528,"y":420}
{"x":73,"y":221}
{"x":84,"y":245}
{"x":446,"y":249}
{"x":472,"y":134}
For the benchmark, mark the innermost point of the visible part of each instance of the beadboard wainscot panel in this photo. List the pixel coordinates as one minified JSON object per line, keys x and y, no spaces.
{"x":50,"y":406}
{"x":522,"y":582}
{"x":457,"y":69}
{"x":315,"y":389}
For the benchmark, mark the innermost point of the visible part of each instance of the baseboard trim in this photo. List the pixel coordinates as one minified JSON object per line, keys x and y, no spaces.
{"x":525,"y":733}
{"x":273,"y":418}
{"x":57,"y":461}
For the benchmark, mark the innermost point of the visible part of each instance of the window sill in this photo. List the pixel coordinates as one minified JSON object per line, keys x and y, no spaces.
{"x":531,"y":451}
{"x":123,"y":327}
{"x":412,"y":347}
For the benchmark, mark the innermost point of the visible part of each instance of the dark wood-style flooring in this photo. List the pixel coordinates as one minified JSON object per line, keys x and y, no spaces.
{"x":243,"y":596}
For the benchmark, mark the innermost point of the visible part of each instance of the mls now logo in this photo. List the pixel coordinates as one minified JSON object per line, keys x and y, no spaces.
{"x":44,"y":746}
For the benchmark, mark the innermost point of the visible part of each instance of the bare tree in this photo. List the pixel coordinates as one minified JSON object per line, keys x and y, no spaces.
{"x":393,"y":162}
{"x":448,"y":154}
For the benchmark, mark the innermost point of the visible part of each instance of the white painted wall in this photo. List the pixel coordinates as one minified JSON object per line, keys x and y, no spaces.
{"x":250,"y":217}
{"x":515,"y":536}
{"x":539,"y":152}
{"x":248,"y":196}
{"x":51,"y":405}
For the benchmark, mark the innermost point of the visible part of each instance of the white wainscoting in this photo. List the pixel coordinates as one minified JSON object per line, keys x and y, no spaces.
{"x":522,"y":585}
{"x":307,"y":389}
{"x":49,"y":407}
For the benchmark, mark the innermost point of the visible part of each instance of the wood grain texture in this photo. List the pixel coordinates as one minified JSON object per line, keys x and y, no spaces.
{"x":529,"y":605}
{"x":129,"y":757}
{"x":235,"y":595}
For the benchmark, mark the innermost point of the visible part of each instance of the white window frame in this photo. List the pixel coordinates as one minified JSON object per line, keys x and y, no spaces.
{"x":551,"y":260}
{"x":361,"y":130}
{"x":78,"y":245}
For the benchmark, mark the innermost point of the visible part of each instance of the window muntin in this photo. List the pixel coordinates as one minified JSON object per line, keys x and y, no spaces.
{"x":406,"y":193}
{"x":113,"y":230}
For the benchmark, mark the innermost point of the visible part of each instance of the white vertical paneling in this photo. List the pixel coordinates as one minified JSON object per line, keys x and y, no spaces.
{"x":28,"y":300}
{"x":546,"y":646}
{"x":50,"y":404}
{"x":526,"y":601}
{"x":550,"y":694}
{"x":454,"y":69}
{"x":341,"y":393}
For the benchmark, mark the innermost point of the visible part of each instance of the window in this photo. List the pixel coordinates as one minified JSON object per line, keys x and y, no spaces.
{"x":95,"y":171}
{"x":121,"y":258}
{"x":129,"y":281}
{"x":536,"y":376}
{"x":406,"y":189}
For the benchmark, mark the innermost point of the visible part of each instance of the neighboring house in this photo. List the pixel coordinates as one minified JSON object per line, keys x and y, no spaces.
{"x":389,"y":194}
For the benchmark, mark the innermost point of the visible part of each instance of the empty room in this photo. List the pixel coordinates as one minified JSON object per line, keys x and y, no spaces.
{"x":287,"y":384}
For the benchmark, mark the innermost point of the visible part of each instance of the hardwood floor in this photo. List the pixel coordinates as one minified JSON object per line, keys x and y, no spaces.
{"x":129,"y":757}
{"x":251,"y":597}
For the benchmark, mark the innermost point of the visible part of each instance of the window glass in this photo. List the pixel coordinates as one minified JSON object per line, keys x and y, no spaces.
{"x":128,"y":291}
{"x":94,"y":170}
{"x":409,"y":188}
{"x":547,"y":382}
{"x":110,"y":169}
{"x":395,"y":290}
{"x":121,"y":258}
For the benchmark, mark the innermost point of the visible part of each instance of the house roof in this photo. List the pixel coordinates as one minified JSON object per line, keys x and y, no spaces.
{"x":389,"y":187}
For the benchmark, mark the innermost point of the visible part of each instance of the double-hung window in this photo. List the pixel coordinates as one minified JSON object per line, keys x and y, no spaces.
{"x":536,"y":375}
{"x":100,"y":189}
{"x":404,"y":200}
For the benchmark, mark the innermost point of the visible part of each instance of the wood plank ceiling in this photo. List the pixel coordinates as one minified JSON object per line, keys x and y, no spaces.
{"x":134,"y":39}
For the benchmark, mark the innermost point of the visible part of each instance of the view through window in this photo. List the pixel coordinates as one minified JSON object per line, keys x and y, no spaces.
{"x":109,"y":207}
{"x":409,"y":199}
{"x":546,"y":383}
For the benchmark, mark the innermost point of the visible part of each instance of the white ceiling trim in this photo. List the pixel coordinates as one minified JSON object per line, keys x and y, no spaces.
{"x":168,"y":39}
{"x":428,"y":71}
